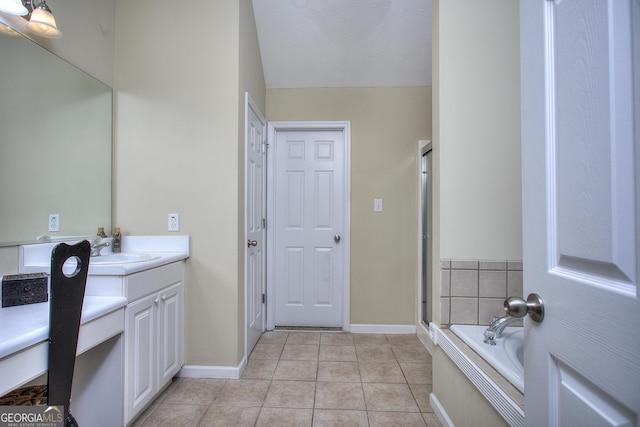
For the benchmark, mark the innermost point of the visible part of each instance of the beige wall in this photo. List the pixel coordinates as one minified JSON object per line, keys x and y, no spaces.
{"x":386,"y":124}
{"x":455,"y":391}
{"x":476,"y":138}
{"x":251,"y":80}
{"x":178,"y":150}
{"x":478,"y":130}
{"x":476,"y":142}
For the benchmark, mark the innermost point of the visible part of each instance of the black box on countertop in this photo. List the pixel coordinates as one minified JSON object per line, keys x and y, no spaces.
{"x":21,"y":289}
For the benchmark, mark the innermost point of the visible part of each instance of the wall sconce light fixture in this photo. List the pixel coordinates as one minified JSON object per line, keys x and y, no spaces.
{"x":41,"y":20}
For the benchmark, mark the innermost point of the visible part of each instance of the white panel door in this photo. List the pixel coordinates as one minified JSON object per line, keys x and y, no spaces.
{"x":255,"y":216}
{"x":581,"y":151}
{"x":309,"y":221}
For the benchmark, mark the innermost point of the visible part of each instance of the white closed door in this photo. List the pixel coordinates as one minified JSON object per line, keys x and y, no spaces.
{"x":255,"y":217}
{"x":308,"y":200}
{"x":581,"y":202}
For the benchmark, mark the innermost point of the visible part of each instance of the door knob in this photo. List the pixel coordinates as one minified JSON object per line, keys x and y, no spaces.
{"x":533,"y":306}
{"x":252,"y":243}
{"x":337,"y":238}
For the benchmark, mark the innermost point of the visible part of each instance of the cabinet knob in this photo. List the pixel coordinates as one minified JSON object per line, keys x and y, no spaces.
{"x":157,"y":300}
{"x":164,"y":297}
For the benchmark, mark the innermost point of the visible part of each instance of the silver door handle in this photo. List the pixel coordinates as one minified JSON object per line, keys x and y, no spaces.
{"x":337,"y":238}
{"x":252,"y":243}
{"x":533,"y":306}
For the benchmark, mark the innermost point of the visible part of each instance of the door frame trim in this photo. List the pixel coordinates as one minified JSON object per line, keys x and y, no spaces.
{"x":282,"y":126}
{"x":249,"y":103}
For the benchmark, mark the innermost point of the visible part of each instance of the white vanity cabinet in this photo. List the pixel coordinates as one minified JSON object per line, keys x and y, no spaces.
{"x":154,"y":334}
{"x":141,"y":361}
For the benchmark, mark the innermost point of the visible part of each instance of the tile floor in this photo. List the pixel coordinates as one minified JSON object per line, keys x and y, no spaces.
{"x":309,"y":379}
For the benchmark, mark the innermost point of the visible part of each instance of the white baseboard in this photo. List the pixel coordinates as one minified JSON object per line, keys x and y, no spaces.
{"x":438,"y":409}
{"x":382,"y":329}
{"x":205,"y":371}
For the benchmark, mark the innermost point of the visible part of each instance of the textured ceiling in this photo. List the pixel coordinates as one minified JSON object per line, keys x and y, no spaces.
{"x":344,"y":43}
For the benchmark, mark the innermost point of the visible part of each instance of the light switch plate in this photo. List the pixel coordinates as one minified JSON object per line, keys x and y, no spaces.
{"x":377,"y":205}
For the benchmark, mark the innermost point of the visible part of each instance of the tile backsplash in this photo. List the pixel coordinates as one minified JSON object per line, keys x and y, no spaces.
{"x":472,"y":291}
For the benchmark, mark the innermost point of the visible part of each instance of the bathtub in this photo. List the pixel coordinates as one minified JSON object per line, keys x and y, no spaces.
{"x":507,"y":356}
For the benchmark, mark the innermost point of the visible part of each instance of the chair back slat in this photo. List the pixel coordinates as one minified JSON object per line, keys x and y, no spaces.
{"x":67,"y":295}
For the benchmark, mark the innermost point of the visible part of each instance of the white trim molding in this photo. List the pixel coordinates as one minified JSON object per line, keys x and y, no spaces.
{"x":207,"y":371}
{"x":440,"y":412}
{"x":381,"y":329}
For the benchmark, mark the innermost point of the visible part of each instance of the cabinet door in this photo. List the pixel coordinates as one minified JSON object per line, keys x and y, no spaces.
{"x":170,"y":335}
{"x":140,"y":361}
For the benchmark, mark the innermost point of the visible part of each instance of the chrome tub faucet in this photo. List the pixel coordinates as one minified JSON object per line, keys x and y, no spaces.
{"x":495,"y":329}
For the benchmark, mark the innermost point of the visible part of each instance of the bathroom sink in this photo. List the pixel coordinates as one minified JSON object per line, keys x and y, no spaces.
{"x":121,"y":258}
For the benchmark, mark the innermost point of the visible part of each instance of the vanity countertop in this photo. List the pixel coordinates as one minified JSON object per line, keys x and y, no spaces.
{"x":25,"y":325}
{"x":116,"y":269}
{"x":166,"y":249}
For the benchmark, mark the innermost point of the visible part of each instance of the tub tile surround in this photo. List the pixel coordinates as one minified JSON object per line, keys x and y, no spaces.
{"x":473,"y":291}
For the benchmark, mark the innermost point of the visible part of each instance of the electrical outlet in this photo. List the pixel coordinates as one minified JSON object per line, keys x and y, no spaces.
{"x":377,"y":205}
{"x":174,"y":222}
{"x":54,"y":222}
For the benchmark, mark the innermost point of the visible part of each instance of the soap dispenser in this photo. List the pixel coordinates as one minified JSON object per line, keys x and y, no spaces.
{"x":117,"y":240}
{"x":101,"y":232}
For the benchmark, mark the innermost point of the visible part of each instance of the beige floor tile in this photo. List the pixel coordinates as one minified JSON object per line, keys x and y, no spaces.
{"x":339,"y":418}
{"x":347,"y":372}
{"x":195,"y":391}
{"x":171,"y":415}
{"x":412,"y":354}
{"x":167,"y":391}
{"x":421,"y":393}
{"x":381,"y":372}
{"x":230,"y":416}
{"x":417,"y":373}
{"x":389,"y":397}
{"x":284,"y":417}
{"x":371,"y":339}
{"x":301,"y":370}
{"x":290,"y":394}
{"x":431,"y":419}
{"x":339,"y":396}
{"x":403,"y":340}
{"x":374,"y":353}
{"x":299,"y":352}
{"x":303,"y":378}
{"x":243,"y":393}
{"x":273,"y":337}
{"x":266,"y":351}
{"x":139,"y":421}
{"x":304,"y":338}
{"x":344,"y":353}
{"x":336,"y":338}
{"x":260,"y":369}
{"x":396,"y":419}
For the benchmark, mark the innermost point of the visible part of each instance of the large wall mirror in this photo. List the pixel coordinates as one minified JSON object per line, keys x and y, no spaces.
{"x":55,"y":145}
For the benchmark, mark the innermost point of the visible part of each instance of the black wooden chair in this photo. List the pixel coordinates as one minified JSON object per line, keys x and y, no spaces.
{"x":65,"y":309}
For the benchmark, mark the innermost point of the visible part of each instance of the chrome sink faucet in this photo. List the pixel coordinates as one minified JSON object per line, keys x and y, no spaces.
{"x":96,"y":247}
{"x":495,"y":329}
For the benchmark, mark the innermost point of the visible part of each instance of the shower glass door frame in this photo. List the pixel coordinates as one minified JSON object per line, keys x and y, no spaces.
{"x":426,"y":234}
